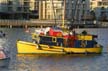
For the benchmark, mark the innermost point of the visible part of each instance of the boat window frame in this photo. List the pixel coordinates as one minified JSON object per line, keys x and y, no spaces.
{"x":54,"y":39}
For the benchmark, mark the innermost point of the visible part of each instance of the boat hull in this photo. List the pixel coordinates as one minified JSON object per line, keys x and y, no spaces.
{"x":4,"y":62}
{"x":31,"y":48}
{"x":84,"y":50}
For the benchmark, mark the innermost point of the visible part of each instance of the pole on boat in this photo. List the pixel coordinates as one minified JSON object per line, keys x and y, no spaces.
{"x":63,"y":17}
{"x":54,"y":13}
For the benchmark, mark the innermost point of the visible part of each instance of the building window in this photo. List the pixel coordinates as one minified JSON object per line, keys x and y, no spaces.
{"x":48,"y":16}
{"x":10,"y":3}
{"x":26,"y":3}
{"x":58,"y":11}
{"x":105,"y":3}
{"x":102,"y":8}
{"x":19,"y":8}
{"x":26,"y":9}
{"x":99,"y":3}
{"x":93,"y":0}
{"x":26,"y":0}
{"x":10,"y":9}
{"x":91,"y":3}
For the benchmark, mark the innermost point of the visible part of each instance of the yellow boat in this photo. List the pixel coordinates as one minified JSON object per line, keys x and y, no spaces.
{"x":46,"y":44}
{"x":32,"y":48}
{"x":53,"y":41}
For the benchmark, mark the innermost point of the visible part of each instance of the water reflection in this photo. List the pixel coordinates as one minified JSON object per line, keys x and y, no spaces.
{"x":53,"y":62}
{"x":62,"y":63}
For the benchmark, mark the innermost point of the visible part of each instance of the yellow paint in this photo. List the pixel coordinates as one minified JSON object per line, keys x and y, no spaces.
{"x":83,"y":50}
{"x":27,"y":47}
{"x":86,"y":37}
{"x":34,"y":36}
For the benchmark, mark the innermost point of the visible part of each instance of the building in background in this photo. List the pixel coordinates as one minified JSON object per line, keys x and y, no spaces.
{"x":44,"y":9}
{"x":47,"y":9}
{"x":77,"y":9}
{"x":18,"y":9}
{"x":51,"y":9}
{"x":21,"y":9}
{"x":100,"y":7}
{"x":34,"y":9}
{"x":3,"y":8}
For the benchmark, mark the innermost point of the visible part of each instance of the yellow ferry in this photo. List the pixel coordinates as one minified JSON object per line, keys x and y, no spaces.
{"x":53,"y":41}
{"x":47,"y":44}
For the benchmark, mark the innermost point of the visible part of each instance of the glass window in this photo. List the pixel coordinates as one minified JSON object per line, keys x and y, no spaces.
{"x":91,"y":3}
{"x":105,"y":3}
{"x":19,"y":8}
{"x":10,"y":9}
{"x":99,"y":3}
{"x":10,"y":2}
{"x":26,"y":3}
{"x":26,"y":9}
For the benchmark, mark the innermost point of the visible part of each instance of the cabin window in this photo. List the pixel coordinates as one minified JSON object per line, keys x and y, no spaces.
{"x":54,"y":39}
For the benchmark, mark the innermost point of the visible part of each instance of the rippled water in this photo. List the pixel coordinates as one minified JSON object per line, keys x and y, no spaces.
{"x":53,"y":62}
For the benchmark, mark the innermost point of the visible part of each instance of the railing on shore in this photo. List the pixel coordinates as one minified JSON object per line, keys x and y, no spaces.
{"x":20,"y":23}
{"x":38,"y":23}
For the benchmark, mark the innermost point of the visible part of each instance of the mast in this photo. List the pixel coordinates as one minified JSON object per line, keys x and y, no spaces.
{"x":54,"y":12}
{"x":75,"y":12}
{"x":64,"y":8}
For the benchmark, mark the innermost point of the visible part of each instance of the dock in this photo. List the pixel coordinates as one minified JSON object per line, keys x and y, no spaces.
{"x":29,"y":23}
{"x":48,"y":23}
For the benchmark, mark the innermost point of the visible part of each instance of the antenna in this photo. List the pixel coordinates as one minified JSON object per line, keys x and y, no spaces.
{"x":64,"y":3}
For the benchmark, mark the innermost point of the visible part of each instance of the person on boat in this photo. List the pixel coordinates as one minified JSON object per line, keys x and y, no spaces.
{"x":71,"y":28}
{"x":96,"y":44}
{"x":83,"y":43}
{"x":70,"y":40}
{"x":84,"y":32}
{"x":74,"y":32}
{"x":46,"y":31}
{"x":37,"y":42}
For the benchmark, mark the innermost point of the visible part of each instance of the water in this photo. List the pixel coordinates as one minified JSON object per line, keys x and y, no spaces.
{"x":55,"y":62}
